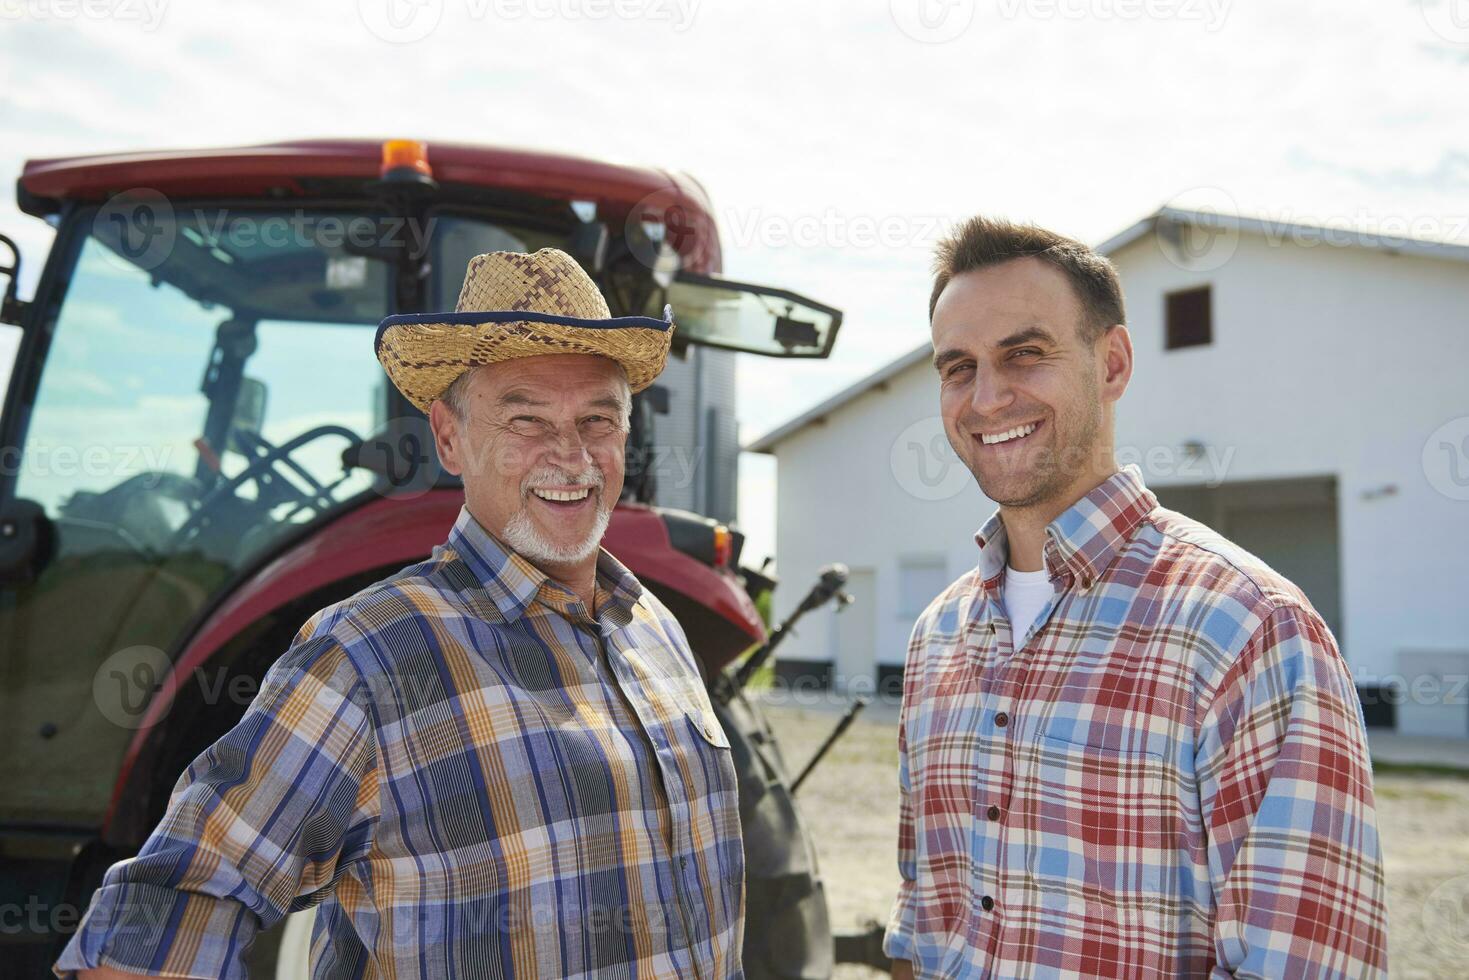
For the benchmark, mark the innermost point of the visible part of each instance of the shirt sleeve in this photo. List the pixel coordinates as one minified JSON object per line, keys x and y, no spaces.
{"x":898,"y":940}
{"x":263,"y":823}
{"x":1285,"y":786}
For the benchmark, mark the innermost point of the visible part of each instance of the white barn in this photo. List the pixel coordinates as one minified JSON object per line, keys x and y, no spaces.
{"x":1303,"y":390}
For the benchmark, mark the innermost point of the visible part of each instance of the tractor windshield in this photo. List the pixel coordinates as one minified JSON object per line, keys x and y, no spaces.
{"x":206,"y":369}
{"x":198,"y":400}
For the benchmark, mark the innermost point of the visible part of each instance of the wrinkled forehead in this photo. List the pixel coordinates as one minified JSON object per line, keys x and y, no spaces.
{"x":555,"y":380}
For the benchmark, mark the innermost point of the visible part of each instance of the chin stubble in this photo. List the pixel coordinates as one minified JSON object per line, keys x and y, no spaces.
{"x":1053,"y":475}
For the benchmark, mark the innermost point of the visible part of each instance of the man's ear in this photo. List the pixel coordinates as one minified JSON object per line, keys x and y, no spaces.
{"x":445,"y":426}
{"x":1116,"y":362}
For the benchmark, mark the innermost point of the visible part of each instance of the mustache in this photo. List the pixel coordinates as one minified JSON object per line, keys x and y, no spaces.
{"x":556,"y":476}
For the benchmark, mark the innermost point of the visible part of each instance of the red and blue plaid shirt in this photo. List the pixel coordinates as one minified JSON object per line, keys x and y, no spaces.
{"x":1166,"y":777}
{"x":473,"y":775}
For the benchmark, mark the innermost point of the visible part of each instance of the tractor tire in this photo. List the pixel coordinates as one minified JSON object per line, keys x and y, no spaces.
{"x":787,"y":931}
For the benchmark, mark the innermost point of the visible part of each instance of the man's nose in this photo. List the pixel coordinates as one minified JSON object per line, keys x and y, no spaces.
{"x":568,"y":451}
{"x":990,"y":394}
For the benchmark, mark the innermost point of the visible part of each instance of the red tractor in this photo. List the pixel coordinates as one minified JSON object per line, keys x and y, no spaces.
{"x":201,"y":450}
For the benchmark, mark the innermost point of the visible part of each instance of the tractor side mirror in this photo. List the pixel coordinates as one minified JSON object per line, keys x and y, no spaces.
{"x":11,"y":309}
{"x":27,"y":541}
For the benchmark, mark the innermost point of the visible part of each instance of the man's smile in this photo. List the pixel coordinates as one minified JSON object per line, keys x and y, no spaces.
{"x":564,"y":499}
{"x":1006,"y":439}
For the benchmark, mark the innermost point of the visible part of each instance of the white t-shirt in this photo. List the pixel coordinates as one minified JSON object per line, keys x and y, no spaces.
{"x":1025,"y":594}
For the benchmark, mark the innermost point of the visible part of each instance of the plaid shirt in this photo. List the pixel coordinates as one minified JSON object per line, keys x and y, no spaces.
{"x":473,"y":776}
{"x":1166,"y":777}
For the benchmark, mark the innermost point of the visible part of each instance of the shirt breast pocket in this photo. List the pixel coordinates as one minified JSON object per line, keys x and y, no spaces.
{"x":1097,"y":823}
{"x":715,"y":782}
{"x":707,"y":725}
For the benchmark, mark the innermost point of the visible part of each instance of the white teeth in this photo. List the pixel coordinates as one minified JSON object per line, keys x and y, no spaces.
{"x":562,"y":494}
{"x":1020,"y":431}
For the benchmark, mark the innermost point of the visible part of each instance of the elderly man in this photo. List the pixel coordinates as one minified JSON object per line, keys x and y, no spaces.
{"x":500,"y":762}
{"x":1128,"y":748}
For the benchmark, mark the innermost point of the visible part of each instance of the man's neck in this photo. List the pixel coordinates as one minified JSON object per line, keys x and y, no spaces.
{"x":1025,"y":527}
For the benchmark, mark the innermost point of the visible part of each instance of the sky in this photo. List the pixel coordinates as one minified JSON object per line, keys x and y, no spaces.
{"x":838,"y":140}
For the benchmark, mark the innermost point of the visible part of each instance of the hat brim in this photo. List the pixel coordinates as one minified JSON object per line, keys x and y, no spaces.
{"x":423,"y":353}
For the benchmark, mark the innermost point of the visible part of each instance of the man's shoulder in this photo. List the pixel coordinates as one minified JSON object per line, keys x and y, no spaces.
{"x":1218,"y":594}
{"x":436,"y":587}
{"x":1204,"y":564}
{"x":655,"y":618}
{"x":654,"y":609}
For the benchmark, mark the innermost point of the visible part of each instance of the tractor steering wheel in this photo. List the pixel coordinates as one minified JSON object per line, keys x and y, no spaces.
{"x":274,"y":488}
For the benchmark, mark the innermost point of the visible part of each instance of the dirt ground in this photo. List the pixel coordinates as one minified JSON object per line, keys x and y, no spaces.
{"x":851,"y":800}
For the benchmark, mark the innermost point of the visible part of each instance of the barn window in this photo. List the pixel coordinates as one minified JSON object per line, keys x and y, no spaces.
{"x":1189,"y":318}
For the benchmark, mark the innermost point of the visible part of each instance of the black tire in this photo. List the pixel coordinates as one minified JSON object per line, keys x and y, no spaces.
{"x":787,"y":931}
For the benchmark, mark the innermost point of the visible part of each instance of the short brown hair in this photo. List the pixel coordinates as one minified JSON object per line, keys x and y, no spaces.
{"x":981,"y":242}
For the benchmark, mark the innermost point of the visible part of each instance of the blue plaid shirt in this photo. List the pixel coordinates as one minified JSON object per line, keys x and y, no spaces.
{"x":473,"y":775}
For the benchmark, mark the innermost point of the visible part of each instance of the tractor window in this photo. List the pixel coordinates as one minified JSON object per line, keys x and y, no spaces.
{"x":120,"y":396}
{"x":191,"y":414}
{"x":457,"y":239}
{"x":200,"y":404}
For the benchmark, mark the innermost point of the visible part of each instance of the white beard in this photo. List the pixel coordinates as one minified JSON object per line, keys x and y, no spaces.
{"x":522,"y":534}
{"x":526,"y":539}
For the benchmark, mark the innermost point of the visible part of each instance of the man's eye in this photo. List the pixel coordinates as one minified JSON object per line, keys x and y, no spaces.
{"x":957,"y":368}
{"x":599,"y":424}
{"x":1026,"y":352}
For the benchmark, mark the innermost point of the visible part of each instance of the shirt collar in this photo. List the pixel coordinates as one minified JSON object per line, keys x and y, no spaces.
{"x":623,"y":587}
{"x":1084,"y":539}
{"x":513,"y":583}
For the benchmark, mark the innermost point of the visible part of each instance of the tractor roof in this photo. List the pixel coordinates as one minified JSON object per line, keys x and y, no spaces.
{"x":285,"y":170}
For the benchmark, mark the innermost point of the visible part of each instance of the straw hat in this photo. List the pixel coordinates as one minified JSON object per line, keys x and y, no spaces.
{"x":515,"y":304}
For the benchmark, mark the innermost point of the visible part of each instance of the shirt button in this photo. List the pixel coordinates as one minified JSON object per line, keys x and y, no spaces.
{"x":993,"y":813}
{"x":1001,"y":720}
{"x":683,"y":862}
{"x":986,"y":903}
